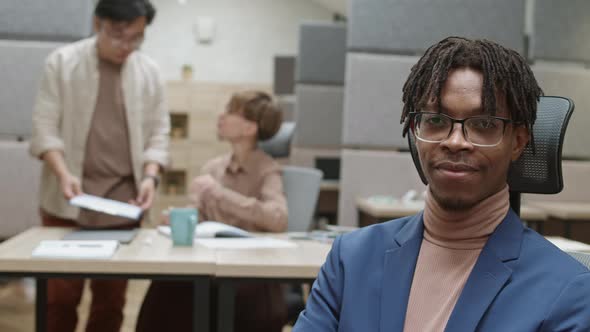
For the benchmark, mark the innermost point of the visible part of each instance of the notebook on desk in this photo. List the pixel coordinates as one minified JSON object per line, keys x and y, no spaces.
{"x":123,"y":236}
{"x":75,"y":249}
{"x":212,"y":229}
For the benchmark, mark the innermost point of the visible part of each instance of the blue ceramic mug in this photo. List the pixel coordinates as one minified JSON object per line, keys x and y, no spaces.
{"x":182,"y":225}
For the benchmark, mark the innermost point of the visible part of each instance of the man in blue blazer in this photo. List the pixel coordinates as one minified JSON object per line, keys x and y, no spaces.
{"x":465,"y":263}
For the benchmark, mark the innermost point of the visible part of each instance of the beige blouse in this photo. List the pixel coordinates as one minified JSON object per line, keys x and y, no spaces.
{"x":250,"y":195}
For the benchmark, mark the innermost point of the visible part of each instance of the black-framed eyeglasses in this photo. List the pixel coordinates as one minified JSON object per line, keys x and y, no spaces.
{"x":480,"y":130}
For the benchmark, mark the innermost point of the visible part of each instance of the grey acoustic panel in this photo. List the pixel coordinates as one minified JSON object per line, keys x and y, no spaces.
{"x":284,"y":75}
{"x":561,"y":30}
{"x":572,"y":82}
{"x":21,"y":68}
{"x":308,"y":157}
{"x":411,"y":26}
{"x":366,"y":173}
{"x":50,"y":20}
{"x":322,"y":53}
{"x":318,"y":115}
{"x":19,"y":188}
{"x":373,"y":100}
{"x":287,"y":104}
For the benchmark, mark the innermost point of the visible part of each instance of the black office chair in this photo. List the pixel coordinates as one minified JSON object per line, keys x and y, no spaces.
{"x":538,"y":173}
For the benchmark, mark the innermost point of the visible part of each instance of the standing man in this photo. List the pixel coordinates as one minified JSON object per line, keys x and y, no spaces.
{"x":101,"y":127}
{"x":466,"y":263}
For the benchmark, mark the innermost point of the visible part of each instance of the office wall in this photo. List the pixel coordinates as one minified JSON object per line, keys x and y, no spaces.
{"x":248,"y":36}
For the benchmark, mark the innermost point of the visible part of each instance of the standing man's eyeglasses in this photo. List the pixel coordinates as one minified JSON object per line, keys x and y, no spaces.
{"x":481,"y":130}
{"x":119,"y":41}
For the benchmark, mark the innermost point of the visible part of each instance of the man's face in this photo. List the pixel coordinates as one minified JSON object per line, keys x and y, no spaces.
{"x":459,"y":173}
{"x":117,"y":40}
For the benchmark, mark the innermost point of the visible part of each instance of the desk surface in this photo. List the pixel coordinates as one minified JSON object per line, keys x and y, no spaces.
{"x":149,"y":253}
{"x":565,"y":210}
{"x":301,"y":262}
{"x":396,"y":209}
{"x":330,"y":185}
{"x":569,"y":245}
{"x":152,"y":253}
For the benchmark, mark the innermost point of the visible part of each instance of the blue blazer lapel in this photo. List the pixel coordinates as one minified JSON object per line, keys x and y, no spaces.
{"x":489,"y":275}
{"x":398,"y":272}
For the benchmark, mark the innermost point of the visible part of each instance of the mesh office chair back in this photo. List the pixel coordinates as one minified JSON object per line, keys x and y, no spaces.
{"x":581,"y":257}
{"x":538,"y":173}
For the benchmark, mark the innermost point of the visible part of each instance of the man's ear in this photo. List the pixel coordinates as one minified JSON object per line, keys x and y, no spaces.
{"x":520,"y":138}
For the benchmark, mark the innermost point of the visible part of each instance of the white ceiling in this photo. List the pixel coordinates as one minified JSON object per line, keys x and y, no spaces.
{"x":337,"y":6}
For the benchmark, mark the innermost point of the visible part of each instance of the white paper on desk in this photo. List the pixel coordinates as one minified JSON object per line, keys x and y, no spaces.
{"x":569,"y":245}
{"x":246,"y":243}
{"x":107,"y":206}
{"x":75,"y":249}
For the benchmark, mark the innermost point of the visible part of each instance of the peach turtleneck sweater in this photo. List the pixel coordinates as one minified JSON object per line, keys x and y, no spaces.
{"x":450,"y":247}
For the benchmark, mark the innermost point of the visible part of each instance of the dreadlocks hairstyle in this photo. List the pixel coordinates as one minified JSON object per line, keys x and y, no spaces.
{"x":504,"y":72}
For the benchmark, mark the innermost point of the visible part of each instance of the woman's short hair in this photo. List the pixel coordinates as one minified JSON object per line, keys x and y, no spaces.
{"x":259,"y":107}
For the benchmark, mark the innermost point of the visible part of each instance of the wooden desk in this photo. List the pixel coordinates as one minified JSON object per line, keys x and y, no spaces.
{"x":327,"y":205}
{"x":569,"y":213}
{"x":293,"y":265}
{"x":302,"y":262}
{"x":149,"y":256}
{"x":569,"y":245}
{"x":565,"y":210}
{"x":371,"y":212}
{"x":152,"y":256}
{"x":330,"y":185}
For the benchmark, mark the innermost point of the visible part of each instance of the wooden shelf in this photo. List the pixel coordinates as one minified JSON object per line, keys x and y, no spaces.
{"x":179,"y":125}
{"x":174,"y":182}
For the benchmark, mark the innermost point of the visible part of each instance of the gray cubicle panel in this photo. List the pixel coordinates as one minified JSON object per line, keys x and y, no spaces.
{"x":411,"y":26}
{"x":366,"y":173}
{"x":21,"y":66}
{"x":373,"y":100}
{"x":561,"y":30}
{"x":19,"y":188}
{"x":322,"y":53}
{"x":318,"y":115}
{"x":308,"y":157}
{"x":49,"y":20}
{"x":284,"y":75}
{"x":559,"y":79}
{"x":287,"y":104}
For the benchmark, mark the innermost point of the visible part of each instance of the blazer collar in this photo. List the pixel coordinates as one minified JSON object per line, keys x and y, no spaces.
{"x":488,"y":277}
{"x":398,"y":272}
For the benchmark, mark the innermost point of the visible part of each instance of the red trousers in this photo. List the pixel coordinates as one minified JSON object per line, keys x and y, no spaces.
{"x":63,"y":297}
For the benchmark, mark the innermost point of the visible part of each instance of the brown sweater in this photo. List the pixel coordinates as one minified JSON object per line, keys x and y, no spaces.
{"x":451,"y":245}
{"x":107,"y":169}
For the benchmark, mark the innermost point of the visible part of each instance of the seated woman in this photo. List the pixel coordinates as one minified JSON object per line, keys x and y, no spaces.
{"x":244,"y":189}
